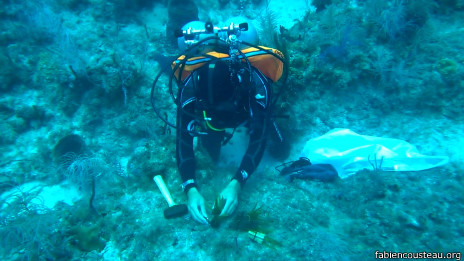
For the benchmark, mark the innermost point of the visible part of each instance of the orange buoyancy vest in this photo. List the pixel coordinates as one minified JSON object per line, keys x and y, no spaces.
{"x":266,"y":63}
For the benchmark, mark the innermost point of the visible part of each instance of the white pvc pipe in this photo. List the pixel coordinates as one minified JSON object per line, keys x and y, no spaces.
{"x":164,"y":189}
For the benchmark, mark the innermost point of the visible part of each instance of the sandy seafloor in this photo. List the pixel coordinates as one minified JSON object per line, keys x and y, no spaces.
{"x":381,"y":68}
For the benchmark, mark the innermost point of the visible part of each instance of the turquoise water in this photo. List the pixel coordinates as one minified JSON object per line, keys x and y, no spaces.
{"x":80,"y":142}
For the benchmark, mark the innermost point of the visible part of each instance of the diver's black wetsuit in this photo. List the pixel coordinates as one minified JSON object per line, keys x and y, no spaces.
{"x":250,"y":106}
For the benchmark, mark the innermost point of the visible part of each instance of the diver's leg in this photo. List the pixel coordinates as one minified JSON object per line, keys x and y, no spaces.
{"x":212,"y":143}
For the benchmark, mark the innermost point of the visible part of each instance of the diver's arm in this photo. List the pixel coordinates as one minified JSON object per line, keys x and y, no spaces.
{"x":186,"y":165}
{"x":184,"y":149}
{"x":256,"y":145}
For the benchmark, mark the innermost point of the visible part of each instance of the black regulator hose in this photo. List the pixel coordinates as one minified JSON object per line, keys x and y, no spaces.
{"x":152,"y":97}
{"x":171,"y":75}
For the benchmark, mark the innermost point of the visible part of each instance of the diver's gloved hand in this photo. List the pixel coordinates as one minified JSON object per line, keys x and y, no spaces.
{"x":230,"y":194}
{"x":196,"y":206}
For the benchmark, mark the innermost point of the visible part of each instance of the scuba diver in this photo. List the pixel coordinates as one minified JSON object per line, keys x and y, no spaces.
{"x":224,"y":81}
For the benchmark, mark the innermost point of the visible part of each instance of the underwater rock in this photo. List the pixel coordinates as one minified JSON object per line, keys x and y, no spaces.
{"x":72,"y":143}
{"x":9,"y":135}
{"x":223,"y":3}
{"x":86,"y":238}
{"x":321,"y":4}
{"x":447,"y":67}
